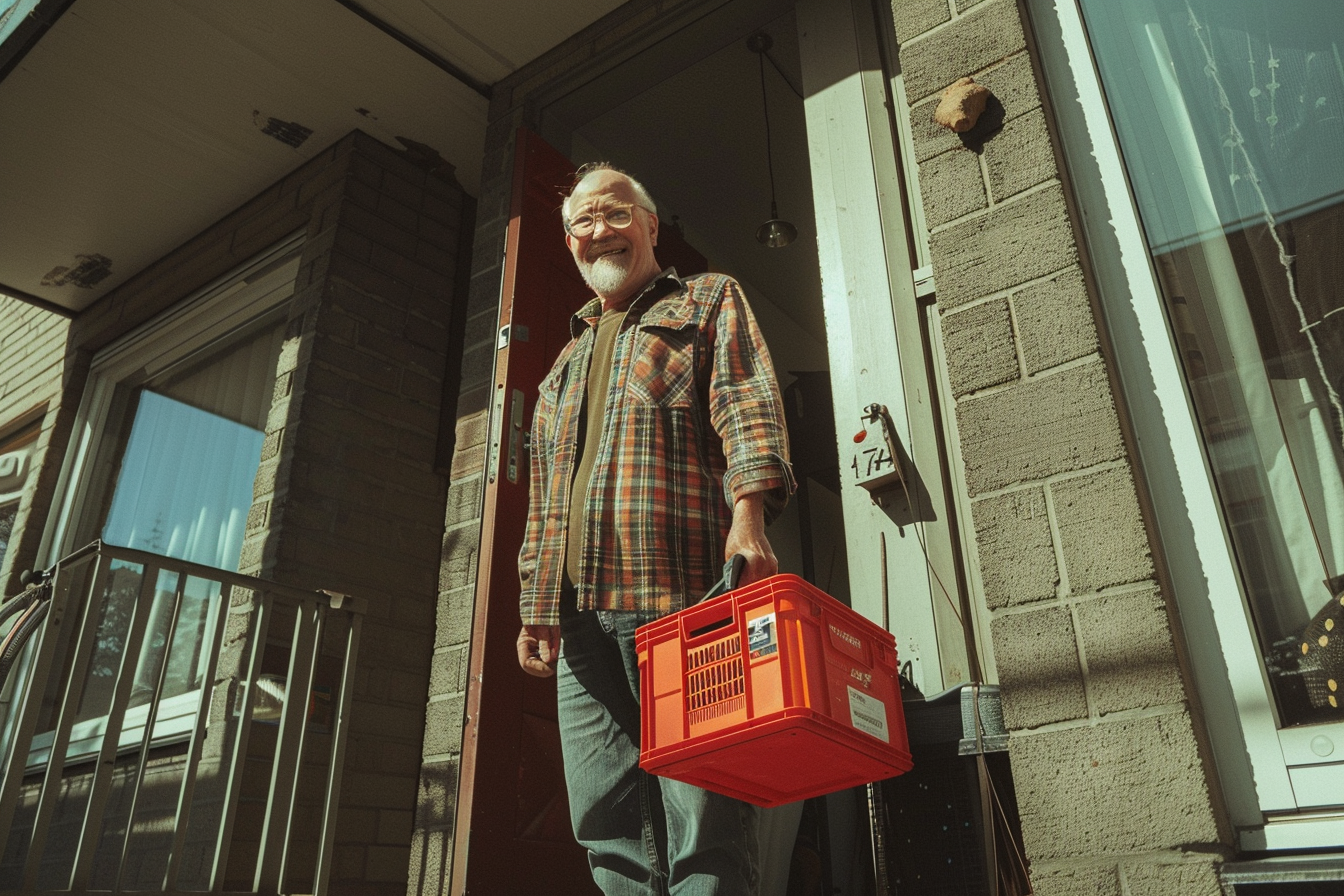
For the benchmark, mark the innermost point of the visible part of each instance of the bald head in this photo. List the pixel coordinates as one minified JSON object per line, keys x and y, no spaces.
{"x":606,"y":170}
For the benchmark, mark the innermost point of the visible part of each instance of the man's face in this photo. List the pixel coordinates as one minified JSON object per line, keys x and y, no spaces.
{"x":614,"y":262}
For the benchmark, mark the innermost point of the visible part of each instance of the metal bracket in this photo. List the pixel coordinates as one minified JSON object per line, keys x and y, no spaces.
{"x":511,"y":333}
{"x":877,"y":466}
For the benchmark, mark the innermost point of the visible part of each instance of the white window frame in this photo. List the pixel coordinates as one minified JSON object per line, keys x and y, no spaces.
{"x":256,"y":289}
{"x":1258,"y":764}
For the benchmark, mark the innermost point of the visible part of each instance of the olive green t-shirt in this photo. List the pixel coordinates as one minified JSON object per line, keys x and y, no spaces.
{"x":599,"y":378}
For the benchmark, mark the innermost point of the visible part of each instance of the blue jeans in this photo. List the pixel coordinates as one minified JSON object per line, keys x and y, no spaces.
{"x":645,"y":836}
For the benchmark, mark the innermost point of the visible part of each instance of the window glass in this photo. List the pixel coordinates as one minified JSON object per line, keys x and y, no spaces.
{"x":184,"y":485}
{"x":183,"y":489}
{"x":1230,"y":115}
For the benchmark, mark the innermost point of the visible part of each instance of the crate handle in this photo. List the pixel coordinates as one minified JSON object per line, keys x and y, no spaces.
{"x":702,"y":619}
{"x":732,"y":571}
{"x":712,"y":627}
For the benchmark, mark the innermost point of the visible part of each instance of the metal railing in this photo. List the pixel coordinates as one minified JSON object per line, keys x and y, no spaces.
{"x":174,"y":728}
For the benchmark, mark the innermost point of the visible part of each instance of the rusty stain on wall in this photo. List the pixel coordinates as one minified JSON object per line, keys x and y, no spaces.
{"x":290,"y":133}
{"x":87,"y":272}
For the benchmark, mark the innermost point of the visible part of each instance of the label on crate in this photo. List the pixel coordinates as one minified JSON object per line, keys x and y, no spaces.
{"x":868,"y":714}
{"x":761,"y":637}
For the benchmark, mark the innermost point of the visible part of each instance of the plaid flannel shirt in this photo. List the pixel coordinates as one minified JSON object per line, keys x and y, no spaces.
{"x":693,"y":422}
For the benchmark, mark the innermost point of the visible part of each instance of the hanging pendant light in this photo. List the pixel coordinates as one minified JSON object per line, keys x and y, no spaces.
{"x":775,"y":233}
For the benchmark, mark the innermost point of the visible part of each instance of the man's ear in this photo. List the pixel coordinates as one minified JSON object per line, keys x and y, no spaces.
{"x":569,"y":241}
{"x":653,"y":228}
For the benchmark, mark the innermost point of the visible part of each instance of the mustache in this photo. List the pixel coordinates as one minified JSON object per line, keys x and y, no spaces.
{"x":596,"y":252}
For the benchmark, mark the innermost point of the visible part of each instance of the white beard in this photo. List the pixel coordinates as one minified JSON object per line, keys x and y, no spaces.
{"x":607,"y":274}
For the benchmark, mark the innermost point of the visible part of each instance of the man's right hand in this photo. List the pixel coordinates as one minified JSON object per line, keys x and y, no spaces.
{"x":538,"y":649}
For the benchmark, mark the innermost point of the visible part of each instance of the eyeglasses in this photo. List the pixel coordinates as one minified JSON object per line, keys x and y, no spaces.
{"x":617,"y":217}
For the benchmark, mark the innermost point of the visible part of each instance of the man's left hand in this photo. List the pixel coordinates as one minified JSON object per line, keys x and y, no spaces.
{"x":747,"y":537}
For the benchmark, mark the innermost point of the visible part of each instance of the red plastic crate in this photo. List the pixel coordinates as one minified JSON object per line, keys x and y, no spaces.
{"x":771,"y":693}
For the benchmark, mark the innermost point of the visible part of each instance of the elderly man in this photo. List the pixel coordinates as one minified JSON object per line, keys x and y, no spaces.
{"x":658,"y":450}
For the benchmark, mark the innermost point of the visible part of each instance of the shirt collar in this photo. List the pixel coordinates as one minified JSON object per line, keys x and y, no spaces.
{"x":665,"y":284}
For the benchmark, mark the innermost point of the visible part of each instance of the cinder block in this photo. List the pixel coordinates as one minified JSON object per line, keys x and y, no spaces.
{"x":1021,"y":240}
{"x":976,"y":41}
{"x":951,"y":186}
{"x":464,"y":500}
{"x":1131,"y":663}
{"x":394,"y":826}
{"x":431,"y":862}
{"x":1017,"y":553}
{"x":914,"y":17}
{"x":1013,"y":83}
{"x":1020,"y":156}
{"x":354,"y":364}
{"x":1189,"y":876}
{"x":472,"y":429}
{"x":366,"y":222}
{"x":1041,"y":679}
{"x":398,"y":214}
{"x":453,"y":616}
{"x":369,"y":280}
{"x":440,"y":211}
{"x":469,"y":461}
{"x":424,"y":390}
{"x":1101,"y":532}
{"x":408,"y":193}
{"x":481,"y":329}
{"x":459,"y":560}
{"x":355,"y":822}
{"x":443,"y":726}
{"x":347,"y":861}
{"x":980,"y":348}
{"x":1049,"y":879}
{"x":1055,"y":424}
{"x":448,"y":674}
{"x":1113,"y":788}
{"x":397,"y":349}
{"x":1054,"y":321}
{"x":437,"y":794}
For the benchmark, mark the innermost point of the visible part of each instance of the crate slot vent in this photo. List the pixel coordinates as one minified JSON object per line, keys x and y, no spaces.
{"x":714,"y":653}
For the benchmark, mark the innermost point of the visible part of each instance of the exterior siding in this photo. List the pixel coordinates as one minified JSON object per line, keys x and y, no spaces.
{"x":32,"y":349}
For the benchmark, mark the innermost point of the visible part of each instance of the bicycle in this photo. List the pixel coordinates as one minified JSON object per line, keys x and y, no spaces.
{"x":31,"y":605}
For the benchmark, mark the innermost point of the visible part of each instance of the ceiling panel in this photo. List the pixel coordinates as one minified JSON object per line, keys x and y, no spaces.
{"x":134,"y":124}
{"x":489,"y":39}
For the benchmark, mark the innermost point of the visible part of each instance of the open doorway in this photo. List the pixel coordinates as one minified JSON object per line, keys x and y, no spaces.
{"x":694,"y":131}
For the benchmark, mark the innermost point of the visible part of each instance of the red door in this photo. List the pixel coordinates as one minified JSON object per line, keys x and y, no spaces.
{"x":512,"y":824}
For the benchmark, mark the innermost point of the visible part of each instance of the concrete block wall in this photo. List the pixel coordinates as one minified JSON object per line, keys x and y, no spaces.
{"x":1113,"y":789}
{"x":431,"y":858}
{"x":348,"y":496}
{"x":32,"y":349}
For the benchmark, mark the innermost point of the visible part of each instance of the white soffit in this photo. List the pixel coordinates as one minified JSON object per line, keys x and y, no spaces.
{"x":132,"y":126}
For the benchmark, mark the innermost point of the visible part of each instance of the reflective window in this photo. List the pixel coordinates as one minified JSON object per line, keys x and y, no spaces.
{"x":184,"y":489}
{"x":1230,"y":115}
